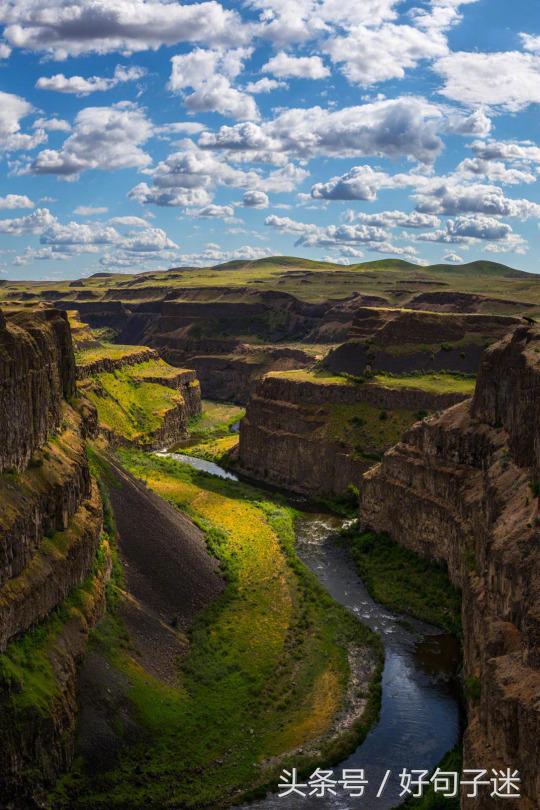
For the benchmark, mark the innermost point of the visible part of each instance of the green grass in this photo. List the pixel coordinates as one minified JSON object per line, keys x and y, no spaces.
{"x":368,"y":430}
{"x":26,"y":666}
{"x":128,"y":406}
{"x":216,"y":418}
{"x":404,"y":581}
{"x":434,"y":382}
{"x":266,"y":670}
{"x":106,"y":351}
{"x":319,"y":376}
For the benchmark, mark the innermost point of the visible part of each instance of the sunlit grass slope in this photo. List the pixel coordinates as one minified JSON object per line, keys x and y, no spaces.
{"x":266,"y":671}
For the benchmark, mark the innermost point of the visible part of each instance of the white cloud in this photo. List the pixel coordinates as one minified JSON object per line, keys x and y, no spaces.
{"x":477,"y":123}
{"x":89,"y":210}
{"x":103,"y":138}
{"x":52,"y":124}
{"x":255,"y":199}
{"x":77,"y":85}
{"x":180,"y":128}
{"x":359,"y":183}
{"x":316,"y":236}
{"x":510,"y":80}
{"x":391,"y":128}
{"x":289,"y":21}
{"x":264,"y":85}
{"x":452,"y":257}
{"x":213,"y":211}
{"x":391,"y":219}
{"x":76,"y":233}
{"x":526,"y":151}
{"x":129,"y":222}
{"x":285,"y":66}
{"x":12,"y":110}
{"x":530,"y":42}
{"x":369,"y":55}
{"x":209,"y":73}
{"x":5,"y":51}
{"x":444,"y":196}
{"x":36,"y":222}
{"x":494,"y":170}
{"x":12,"y":201}
{"x":468,"y":229}
{"x":69,"y":29}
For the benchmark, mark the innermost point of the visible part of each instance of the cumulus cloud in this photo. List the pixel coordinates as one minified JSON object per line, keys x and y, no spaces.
{"x":209,"y":74}
{"x":318,"y":236}
{"x":77,"y":85}
{"x":129,"y":222}
{"x":285,"y":66}
{"x":471,"y":229}
{"x":89,"y":210}
{"x":494,"y":170}
{"x":255,"y":199}
{"x":36,"y":222}
{"x":360,"y":183}
{"x":370,"y":55}
{"x":510,"y":80}
{"x":213,"y":211}
{"x":52,"y":124}
{"x":264,"y":85}
{"x":12,"y":111}
{"x":391,"y":128}
{"x":477,"y":123}
{"x":450,"y":197}
{"x":13,"y":201}
{"x":525,"y":151}
{"x":530,"y":42}
{"x":5,"y":51}
{"x":80,"y":26}
{"x":391,"y":219}
{"x":452,"y":257}
{"x":103,"y":138}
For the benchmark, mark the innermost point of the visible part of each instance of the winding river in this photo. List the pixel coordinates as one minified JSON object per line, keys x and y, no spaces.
{"x":420,"y":719}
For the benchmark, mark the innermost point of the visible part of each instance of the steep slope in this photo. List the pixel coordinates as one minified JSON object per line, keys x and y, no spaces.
{"x":53,"y":559}
{"x":462,"y":488}
{"x":316,"y":434}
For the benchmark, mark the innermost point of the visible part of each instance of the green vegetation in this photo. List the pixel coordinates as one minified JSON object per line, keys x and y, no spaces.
{"x":211,"y":436}
{"x":404,"y":581}
{"x":361,"y":427}
{"x":266,"y":672}
{"x":128,"y":406}
{"x":105,"y":351}
{"x":434,"y":382}
{"x":320,"y":376}
{"x":27,"y":665}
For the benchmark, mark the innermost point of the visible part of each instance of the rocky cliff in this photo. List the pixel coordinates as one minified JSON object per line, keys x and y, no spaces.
{"x":37,"y":372}
{"x":50,"y":534}
{"x":405,"y":340}
{"x":462,"y":488}
{"x":317,"y":435}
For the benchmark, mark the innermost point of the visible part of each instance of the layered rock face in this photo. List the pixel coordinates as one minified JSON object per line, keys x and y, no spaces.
{"x":318,"y":437}
{"x":50,"y":531}
{"x":462,"y":488}
{"x":37,"y":371}
{"x":398,"y":341}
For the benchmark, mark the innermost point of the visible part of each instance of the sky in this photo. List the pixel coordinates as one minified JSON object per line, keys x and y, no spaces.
{"x":146,"y":134}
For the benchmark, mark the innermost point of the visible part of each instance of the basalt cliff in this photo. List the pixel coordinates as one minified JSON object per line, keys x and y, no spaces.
{"x":53,"y":557}
{"x":316,"y":434}
{"x":462,"y":488}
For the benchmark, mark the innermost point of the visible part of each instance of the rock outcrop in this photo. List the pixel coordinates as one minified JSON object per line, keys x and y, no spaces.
{"x":403,"y":340}
{"x":462,"y":488}
{"x":37,"y":372}
{"x":316,"y":436}
{"x":50,"y":533}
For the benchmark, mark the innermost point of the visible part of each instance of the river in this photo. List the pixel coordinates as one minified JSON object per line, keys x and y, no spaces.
{"x":420,"y":717}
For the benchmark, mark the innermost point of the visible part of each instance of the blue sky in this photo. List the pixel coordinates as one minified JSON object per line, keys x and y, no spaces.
{"x":146,"y":134}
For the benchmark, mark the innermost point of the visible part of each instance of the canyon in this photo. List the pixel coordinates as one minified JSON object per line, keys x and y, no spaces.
{"x":413,"y":390}
{"x":462,"y":489}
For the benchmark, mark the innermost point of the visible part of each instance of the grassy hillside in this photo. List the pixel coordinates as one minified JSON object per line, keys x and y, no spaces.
{"x":393,"y":279}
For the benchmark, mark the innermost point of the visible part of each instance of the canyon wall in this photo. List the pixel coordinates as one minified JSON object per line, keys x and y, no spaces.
{"x":318,"y":437}
{"x":50,"y":536}
{"x":37,"y":371}
{"x":403,"y":340}
{"x":462,"y":488}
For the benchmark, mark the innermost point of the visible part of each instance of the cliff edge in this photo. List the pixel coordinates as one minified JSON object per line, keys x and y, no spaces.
{"x":462,"y":488}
